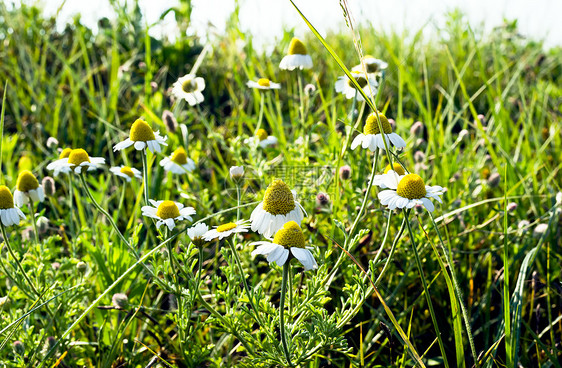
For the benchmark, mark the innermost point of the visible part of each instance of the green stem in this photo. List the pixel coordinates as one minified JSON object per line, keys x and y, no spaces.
{"x":33,"y":222}
{"x":145,"y":175}
{"x":392,"y":249}
{"x":282,"y":312}
{"x":72,"y":228}
{"x":260,"y":114}
{"x":457,"y":290}
{"x":104,"y":212}
{"x":238,"y":200}
{"x":5,"y":236}
{"x":425,"y":289}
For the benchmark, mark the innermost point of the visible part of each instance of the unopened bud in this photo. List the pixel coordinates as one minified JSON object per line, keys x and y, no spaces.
{"x":120,"y":301}
{"x":81,"y":267}
{"x":48,"y":184}
{"x":170,"y":121}
{"x":345,"y":172}
{"x":417,"y":128}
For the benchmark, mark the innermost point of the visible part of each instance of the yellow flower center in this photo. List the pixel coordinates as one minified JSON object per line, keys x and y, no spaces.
{"x":141,"y":132}
{"x":127,"y":171}
{"x":6,"y":199}
{"x":179,"y":156}
{"x":296,"y":47}
{"x":397,"y":168}
{"x":278,"y":199}
{"x":226,"y":227}
{"x":65,"y":153}
{"x":26,"y":181}
{"x":77,"y":156}
{"x":167,"y":209}
{"x":189,"y":86}
{"x":261,"y":134}
{"x":290,"y":235}
{"x":372,"y":126}
{"x":411,"y":186}
{"x":360,"y":78}
{"x":264,"y":82}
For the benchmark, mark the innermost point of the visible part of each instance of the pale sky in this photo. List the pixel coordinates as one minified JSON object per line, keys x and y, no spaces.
{"x":539,"y":19}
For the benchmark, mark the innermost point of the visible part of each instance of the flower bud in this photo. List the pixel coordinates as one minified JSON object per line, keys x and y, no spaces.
{"x":309,"y":88}
{"x":170,"y":121}
{"x":4,"y":303}
{"x":48,"y":184}
{"x":392,"y":124}
{"x":154,"y":86}
{"x":523,"y":226}
{"x":236,"y":172}
{"x":345,"y":172}
{"x":322,"y":200}
{"x":42,"y":224}
{"x":419,"y":156}
{"x":52,"y":142}
{"x":19,"y":348}
{"x":540,"y":230}
{"x":55,"y":265}
{"x":27,"y":234}
{"x":417,"y":128}
{"x":120,"y":301}
{"x":511,"y":207}
{"x":494,"y":180}
{"x":81,"y":267}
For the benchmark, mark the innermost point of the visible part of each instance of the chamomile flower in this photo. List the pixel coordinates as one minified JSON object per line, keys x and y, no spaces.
{"x":196,"y":233}
{"x":189,"y":88}
{"x":225,"y":230}
{"x":288,"y":238}
{"x":28,"y":187}
{"x":126,"y":172}
{"x":168,"y":212}
{"x":9,"y":214}
{"x":278,"y":207}
{"x":373,"y":65}
{"x":178,"y":162}
{"x":297,"y":57}
{"x":372,"y":138}
{"x":406,"y":191}
{"x":368,"y":84}
{"x":262,"y":139}
{"x":77,"y":160}
{"x":263,"y":83}
{"x":59,"y":165}
{"x":142,"y":136}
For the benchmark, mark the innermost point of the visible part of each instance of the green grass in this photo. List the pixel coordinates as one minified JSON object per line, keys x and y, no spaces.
{"x":367,"y":304}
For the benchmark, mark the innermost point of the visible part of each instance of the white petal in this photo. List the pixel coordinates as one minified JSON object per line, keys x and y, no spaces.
{"x":357,"y":141}
{"x":428,"y":204}
{"x":305,"y":257}
{"x":279,"y":256}
{"x":139,"y":145}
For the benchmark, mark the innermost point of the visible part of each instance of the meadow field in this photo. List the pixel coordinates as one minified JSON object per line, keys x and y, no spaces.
{"x":355,"y":199}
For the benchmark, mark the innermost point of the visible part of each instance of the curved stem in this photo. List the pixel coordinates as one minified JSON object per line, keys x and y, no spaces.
{"x":392,"y":249}
{"x":425,"y":289}
{"x":367,"y":193}
{"x":260,"y":114}
{"x":282,"y":313}
{"x":145,"y":175}
{"x":7,"y":242}
{"x":387,"y":230}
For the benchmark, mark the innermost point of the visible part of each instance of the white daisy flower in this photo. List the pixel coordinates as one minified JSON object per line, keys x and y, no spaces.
{"x":373,"y":65}
{"x":178,"y":162}
{"x":371,"y":137}
{"x":262,"y":139}
{"x":225,"y":230}
{"x":168,"y":212}
{"x":263,"y":83}
{"x":28,"y":187}
{"x":77,"y":160}
{"x":196,"y":232}
{"x":9,"y":214}
{"x":60,"y":165}
{"x":406,"y":191}
{"x":297,"y":57}
{"x":379,"y":180}
{"x":289,"y":237}
{"x":368,"y":84}
{"x":142,"y":136}
{"x":189,"y":88}
{"x":236,"y":172}
{"x":278,"y":207}
{"x":126,"y":172}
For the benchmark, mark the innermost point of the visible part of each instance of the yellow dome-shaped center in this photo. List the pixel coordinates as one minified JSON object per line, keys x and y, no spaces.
{"x":77,"y":156}
{"x":264,"y":82}
{"x":26,"y":181}
{"x":396,"y":167}
{"x":226,"y":227}
{"x":278,"y":199}
{"x":360,"y":78}
{"x":372,"y":126}
{"x":261,"y":134}
{"x":412,"y":187}
{"x":141,"y":132}
{"x":6,"y":198}
{"x":290,"y":235}
{"x":179,"y":156}
{"x":127,"y":171}
{"x":65,"y":153}
{"x":189,"y":86}
{"x":296,"y":47}
{"x":167,"y":209}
